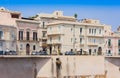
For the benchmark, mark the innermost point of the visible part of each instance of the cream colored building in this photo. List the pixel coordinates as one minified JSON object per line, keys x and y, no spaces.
{"x":45,"y":19}
{"x":85,"y":36}
{"x":18,"y":33}
{"x":8,"y":29}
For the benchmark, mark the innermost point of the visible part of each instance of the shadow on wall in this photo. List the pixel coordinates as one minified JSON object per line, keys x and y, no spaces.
{"x":38,"y":65}
{"x":115,"y":61}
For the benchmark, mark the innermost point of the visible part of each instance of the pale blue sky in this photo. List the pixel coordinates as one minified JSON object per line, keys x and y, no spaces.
{"x":107,"y":11}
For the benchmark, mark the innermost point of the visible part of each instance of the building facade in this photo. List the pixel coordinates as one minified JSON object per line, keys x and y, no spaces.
{"x":8,"y":29}
{"x":45,"y":19}
{"x":56,"y":33}
{"x":28,"y":36}
{"x":86,"y":36}
{"x":17,"y":33}
{"x":112,"y":43}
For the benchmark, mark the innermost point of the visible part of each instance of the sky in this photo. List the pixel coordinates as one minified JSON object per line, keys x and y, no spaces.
{"x":107,"y":11}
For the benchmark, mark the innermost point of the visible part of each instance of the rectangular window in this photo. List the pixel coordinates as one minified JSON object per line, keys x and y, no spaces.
{"x":50,"y":39}
{"x":71,"y":29}
{"x":99,"y":31}
{"x":20,"y":35}
{"x":44,"y":34}
{"x":80,"y":40}
{"x":1,"y":34}
{"x":21,"y":46}
{"x":89,"y":31}
{"x":80,"y":30}
{"x":109,"y":42}
{"x":43,"y":25}
{"x":34,"y":47}
{"x":1,"y":44}
{"x":34,"y":35}
{"x":95,"y":31}
{"x":59,"y":39}
{"x":94,"y":40}
{"x":27,"y":35}
{"x":95,"y":50}
{"x":118,"y":42}
{"x":92,"y":31}
{"x":119,"y":52}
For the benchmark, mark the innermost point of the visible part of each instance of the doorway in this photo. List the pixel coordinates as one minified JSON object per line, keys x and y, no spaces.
{"x":27,"y":49}
{"x":50,"y":48}
{"x":90,"y":51}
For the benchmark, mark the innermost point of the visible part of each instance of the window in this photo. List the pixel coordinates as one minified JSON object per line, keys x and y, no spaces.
{"x":1,"y":44}
{"x":50,"y":39}
{"x":34,"y":47}
{"x":94,"y":40}
{"x":50,"y":28}
{"x":109,"y":42}
{"x":34,"y":35}
{"x":95,"y":50}
{"x":119,"y":52}
{"x":21,"y":46}
{"x":90,"y":51}
{"x":44,"y":34}
{"x":59,"y":39}
{"x":109,"y":51}
{"x":1,"y":34}
{"x":80,"y":30}
{"x":71,"y":29}
{"x":28,"y":35}
{"x":118,"y":42}
{"x":95,"y":31}
{"x":80,"y":40}
{"x":89,"y":31}
{"x":43,"y":24}
{"x":20,"y":35}
{"x":99,"y":31}
{"x":92,"y":31}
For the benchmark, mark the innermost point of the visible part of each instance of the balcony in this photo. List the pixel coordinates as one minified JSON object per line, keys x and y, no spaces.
{"x":54,"y":33}
{"x":81,"y":44}
{"x":54,"y":42}
{"x":29,"y":39}
{"x":92,"y":44}
{"x":95,"y":35}
{"x":44,"y":38}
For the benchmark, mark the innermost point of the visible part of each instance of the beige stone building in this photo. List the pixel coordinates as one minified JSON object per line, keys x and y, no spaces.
{"x":8,"y":29}
{"x":45,"y":19}
{"x":86,"y":36}
{"x":18,"y":33}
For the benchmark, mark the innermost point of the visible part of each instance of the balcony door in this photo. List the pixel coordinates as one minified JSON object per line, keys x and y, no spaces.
{"x":27,"y":49}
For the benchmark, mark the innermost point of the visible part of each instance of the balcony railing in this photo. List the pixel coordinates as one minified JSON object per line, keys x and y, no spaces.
{"x":54,"y":42}
{"x":29,"y":39}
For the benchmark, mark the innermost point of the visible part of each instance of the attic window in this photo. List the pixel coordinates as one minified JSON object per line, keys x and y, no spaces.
{"x":14,"y":15}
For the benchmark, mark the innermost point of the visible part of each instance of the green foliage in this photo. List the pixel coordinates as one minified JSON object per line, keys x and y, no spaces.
{"x":34,"y":16}
{"x":75,"y":15}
